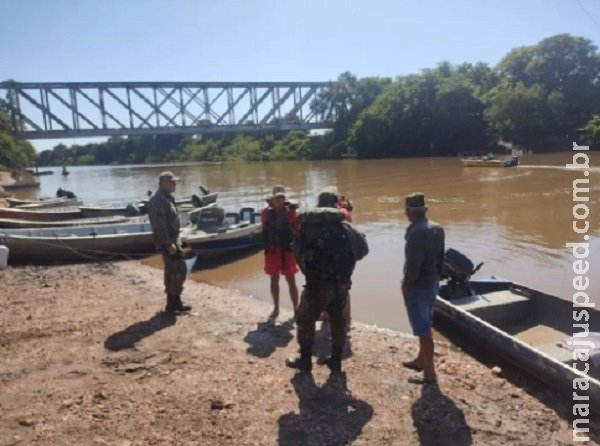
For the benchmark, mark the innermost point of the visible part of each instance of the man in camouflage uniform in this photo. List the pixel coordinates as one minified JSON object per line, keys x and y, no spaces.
{"x":326,"y":259}
{"x":164,"y":219}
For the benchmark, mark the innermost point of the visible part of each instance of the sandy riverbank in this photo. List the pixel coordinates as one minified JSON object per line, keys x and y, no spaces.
{"x":86,"y":360}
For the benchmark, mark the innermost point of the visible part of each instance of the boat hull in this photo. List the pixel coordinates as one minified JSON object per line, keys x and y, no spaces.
{"x":22,"y":224}
{"x":79,"y":243}
{"x":223,"y":244}
{"x":526,"y":357}
{"x":42,"y":204}
{"x":488,"y":163}
{"x":49,"y":215}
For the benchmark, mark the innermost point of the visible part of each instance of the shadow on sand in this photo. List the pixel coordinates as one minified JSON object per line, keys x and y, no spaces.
{"x":552,"y":398}
{"x":128,"y":337}
{"x":329,"y":415}
{"x":267,"y":337}
{"x":322,"y":345}
{"x":438,"y":421}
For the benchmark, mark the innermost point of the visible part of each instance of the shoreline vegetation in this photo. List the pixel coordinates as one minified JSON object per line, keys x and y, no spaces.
{"x":92,"y":362}
{"x":538,"y":98}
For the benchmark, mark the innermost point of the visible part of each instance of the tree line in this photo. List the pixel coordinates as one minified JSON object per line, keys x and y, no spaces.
{"x":539,"y":97}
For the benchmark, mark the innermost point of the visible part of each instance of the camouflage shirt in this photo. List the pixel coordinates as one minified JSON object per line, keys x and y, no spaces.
{"x":424,"y":254}
{"x":164,"y":219}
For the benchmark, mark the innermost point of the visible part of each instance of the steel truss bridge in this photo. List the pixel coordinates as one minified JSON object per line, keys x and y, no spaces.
{"x":86,"y":109}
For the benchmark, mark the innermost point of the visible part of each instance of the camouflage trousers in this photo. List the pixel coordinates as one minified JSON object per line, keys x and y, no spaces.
{"x":175,"y":272}
{"x":316,"y":298}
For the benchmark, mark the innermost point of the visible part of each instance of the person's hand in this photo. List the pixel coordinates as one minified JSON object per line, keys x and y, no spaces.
{"x":172,"y":249}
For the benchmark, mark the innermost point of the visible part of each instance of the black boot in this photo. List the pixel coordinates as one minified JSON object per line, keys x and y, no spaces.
{"x":180,"y":306}
{"x":335,"y":361}
{"x":304,"y":361}
{"x":171,"y":305}
{"x":175,"y":305}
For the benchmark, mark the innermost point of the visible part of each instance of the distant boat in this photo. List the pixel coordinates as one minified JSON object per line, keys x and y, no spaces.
{"x":65,"y":172}
{"x":483,"y":162}
{"x":38,"y":173}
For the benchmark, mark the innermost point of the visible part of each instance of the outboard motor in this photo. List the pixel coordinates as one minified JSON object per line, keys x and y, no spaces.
{"x":458,"y":269}
{"x":197,"y":201}
{"x":62,"y":193}
{"x":131,"y":210}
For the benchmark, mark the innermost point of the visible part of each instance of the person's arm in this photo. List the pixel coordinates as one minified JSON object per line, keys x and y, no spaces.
{"x":441,"y":249}
{"x":415,"y":256}
{"x":158,"y":220}
{"x":293,"y":220}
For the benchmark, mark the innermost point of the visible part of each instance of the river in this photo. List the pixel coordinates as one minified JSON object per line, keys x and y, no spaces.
{"x":515,"y":220}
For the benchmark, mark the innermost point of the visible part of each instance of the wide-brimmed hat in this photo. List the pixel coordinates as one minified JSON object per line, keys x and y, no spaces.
{"x":415,"y":201}
{"x":278,"y":191}
{"x":328,"y":197}
{"x":168,"y":175}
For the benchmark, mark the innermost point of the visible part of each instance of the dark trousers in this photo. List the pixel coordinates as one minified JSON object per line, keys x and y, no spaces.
{"x":315,"y":298}
{"x":175,"y":272}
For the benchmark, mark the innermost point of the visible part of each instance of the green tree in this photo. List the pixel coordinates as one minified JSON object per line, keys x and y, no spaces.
{"x":548,"y":91}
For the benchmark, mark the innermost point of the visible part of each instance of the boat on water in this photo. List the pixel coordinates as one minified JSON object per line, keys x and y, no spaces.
{"x":530,"y":329}
{"x":16,"y":224}
{"x":486,"y":162}
{"x":131,"y":239}
{"x":216,"y":233}
{"x":38,"y":173}
{"x":51,"y":214}
{"x":140,"y":207}
{"x":50,"y":202}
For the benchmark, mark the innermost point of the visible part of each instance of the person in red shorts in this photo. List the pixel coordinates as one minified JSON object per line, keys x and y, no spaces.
{"x":279,"y":227}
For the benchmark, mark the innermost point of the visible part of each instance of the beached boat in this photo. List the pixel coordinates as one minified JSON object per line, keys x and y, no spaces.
{"x":50,"y":202}
{"x":78,"y":242}
{"x":218,"y":233}
{"x":52,"y":214}
{"x":207,"y":238}
{"x":17,"y":224}
{"x":527,"y":327}
{"x":483,"y":162}
{"x":113,"y":210}
{"x":139,"y":208}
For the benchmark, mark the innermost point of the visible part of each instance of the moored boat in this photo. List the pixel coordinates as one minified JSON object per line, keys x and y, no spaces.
{"x":208,"y":239}
{"x":52,"y":214}
{"x":218,"y":233}
{"x":42,"y":203}
{"x":529,"y":328}
{"x":17,"y":224}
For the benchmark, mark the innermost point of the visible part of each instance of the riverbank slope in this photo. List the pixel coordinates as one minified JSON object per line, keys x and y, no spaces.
{"x":87,"y":360}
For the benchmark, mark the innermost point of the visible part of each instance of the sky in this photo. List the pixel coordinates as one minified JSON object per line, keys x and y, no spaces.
{"x":268,"y":40}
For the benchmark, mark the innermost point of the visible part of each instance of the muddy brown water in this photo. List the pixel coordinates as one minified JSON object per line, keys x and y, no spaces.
{"x":515,"y":220}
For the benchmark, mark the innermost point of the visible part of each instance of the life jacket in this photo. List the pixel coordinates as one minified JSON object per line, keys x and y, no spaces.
{"x":322,"y":246}
{"x":277,"y":231}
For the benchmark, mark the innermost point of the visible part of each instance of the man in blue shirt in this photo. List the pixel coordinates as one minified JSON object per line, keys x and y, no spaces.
{"x":424,"y":256}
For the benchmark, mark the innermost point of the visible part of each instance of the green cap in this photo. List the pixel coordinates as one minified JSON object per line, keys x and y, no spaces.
{"x":415,"y":200}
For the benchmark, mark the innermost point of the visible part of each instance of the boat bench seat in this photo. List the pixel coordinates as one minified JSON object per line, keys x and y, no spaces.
{"x":499,"y":308}
{"x":559,"y":353}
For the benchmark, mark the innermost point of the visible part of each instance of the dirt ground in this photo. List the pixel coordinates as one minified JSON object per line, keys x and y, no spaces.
{"x":88,"y":359}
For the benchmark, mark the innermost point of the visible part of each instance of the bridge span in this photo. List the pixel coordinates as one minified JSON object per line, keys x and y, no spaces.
{"x":86,"y":109}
